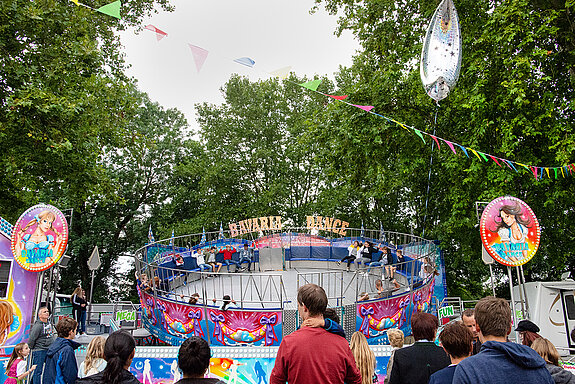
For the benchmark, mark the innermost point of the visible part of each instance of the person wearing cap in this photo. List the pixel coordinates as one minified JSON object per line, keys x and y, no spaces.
{"x":246,"y":254}
{"x":528,"y":332}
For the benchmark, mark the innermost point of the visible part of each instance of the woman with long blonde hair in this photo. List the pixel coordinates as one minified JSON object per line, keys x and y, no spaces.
{"x":364,"y":357}
{"x":94,"y":361}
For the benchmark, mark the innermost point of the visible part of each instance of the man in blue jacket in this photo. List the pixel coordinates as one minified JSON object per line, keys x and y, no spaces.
{"x":500,"y":361}
{"x":61,"y":366}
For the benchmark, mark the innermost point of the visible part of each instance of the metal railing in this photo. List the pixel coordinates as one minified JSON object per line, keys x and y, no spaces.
{"x":265,"y":291}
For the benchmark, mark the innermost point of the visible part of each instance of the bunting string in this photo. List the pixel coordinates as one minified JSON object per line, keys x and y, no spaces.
{"x":200,"y":54}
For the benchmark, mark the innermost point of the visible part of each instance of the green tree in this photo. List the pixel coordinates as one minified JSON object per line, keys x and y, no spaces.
{"x":512,"y":100}
{"x":252,"y":161}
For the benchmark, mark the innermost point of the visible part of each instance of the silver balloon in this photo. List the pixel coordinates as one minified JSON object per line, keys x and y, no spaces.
{"x":441,"y":54}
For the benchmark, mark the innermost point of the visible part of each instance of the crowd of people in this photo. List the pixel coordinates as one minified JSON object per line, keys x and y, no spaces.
{"x":474,"y":349}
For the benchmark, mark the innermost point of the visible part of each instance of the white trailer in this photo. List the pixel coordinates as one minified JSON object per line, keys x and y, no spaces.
{"x":552,"y":307}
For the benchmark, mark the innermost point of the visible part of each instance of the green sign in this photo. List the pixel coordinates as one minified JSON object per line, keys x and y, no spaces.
{"x":125,"y":316}
{"x":445,"y":311}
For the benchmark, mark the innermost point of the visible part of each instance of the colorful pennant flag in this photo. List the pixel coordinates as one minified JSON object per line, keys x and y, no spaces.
{"x":418,"y":133}
{"x":311,"y":84}
{"x":112,"y":9}
{"x":75,"y":2}
{"x":245,"y":61}
{"x":450,"y":144}
{"x":282,"y":73}
{"x":159,"y":33}
{"x":366,"y":108}
{"x":343,"y":97}
{"x":151,"y":235}
{"x":203,"y":239}
{"x":200,"y":55}
{"x":437,"y":142}
{"x":221,"y":234}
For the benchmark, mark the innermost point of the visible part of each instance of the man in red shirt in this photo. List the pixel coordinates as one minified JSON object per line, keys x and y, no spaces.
{"x":228,"y":252}
{"x":313,"y":355}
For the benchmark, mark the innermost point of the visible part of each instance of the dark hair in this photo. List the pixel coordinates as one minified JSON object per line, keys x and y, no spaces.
{"x":424,"y":325}
{"x":469,"y":312}
{"x":65,"y":326}
{"x":493,"y":316}
{"x":331,"y":314}
{"x":117,"y":352}
{"x":511,"y":210}
{"x":457,"y":339}
{"x":313,"y":297}
{"x":227,"y":300}
{"x":194,"y":356}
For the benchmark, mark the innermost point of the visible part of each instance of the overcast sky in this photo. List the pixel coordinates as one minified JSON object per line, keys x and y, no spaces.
{"x":274,"y":33}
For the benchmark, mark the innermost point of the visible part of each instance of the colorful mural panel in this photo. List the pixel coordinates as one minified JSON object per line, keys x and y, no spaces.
{"x":232,"y":371}
{"x":375,"y":317}
{"x":234,"y":327}
{"x":174,"y":322}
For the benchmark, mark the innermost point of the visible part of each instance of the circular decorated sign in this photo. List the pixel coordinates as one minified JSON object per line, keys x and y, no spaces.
{"x":510,"y":231}
{"x":39,"y":238}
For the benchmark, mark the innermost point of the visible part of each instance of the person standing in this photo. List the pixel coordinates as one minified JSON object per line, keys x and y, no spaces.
{"x":61,"y":366}
{"x":549,"y":353}
{"x":500,"y":361}
{"x":41,"y":337}
{"x":194,"y":361}
{"x":298,"y":360}
{"x":79,"y":309}
{"x":456,"y":339}
{"x":364,"y":357}
{"x":468,"y":319}
{"x":119,"y":351}
{"x":416,"y":363}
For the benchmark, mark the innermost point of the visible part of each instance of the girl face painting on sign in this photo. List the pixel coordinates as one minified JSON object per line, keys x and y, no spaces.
{"x":512,"y":229}
{"x":39,"y":245}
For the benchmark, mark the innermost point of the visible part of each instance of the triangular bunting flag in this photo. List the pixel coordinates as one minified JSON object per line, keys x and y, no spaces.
{"x":547,"y":170}
{"x":343,"y":97}
{"x":245,"y":61}
{"x":475,"y":153}
{"x":366,"y":108}
{"x":75,"y":2}
{"x":512,"y":166}
{"x":562,"y":172}
{"x":311,"y":84}
{"x":483,"y":155}
{"x":282,"y":73}
{"x":200,"y":55}
{"x":159,"y":33}
{"x":495,"y":159}
{"x":437,"y":141}
{"x":463,"y":149}
{"x":112,"y":9}
{"x":450,"y":144}
{"x":418,"y":133}
{"x":555,"y":170}
{"x":524,"y":166}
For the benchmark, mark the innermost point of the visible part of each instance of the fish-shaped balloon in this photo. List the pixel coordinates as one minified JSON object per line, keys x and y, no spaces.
{"x":441,"y":54}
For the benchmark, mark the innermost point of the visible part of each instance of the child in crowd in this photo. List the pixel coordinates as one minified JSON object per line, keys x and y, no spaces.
{"x":16,"y":367}
{"x":119,"y":350}
{"x":94,"y":361}
{"x":364,"y":357}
